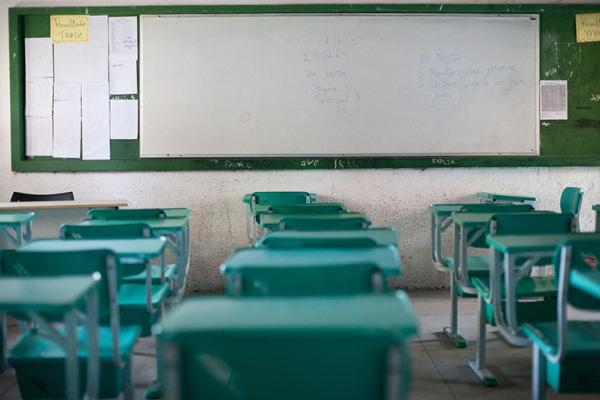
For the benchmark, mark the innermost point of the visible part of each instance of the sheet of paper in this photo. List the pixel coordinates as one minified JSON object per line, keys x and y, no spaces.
{"x":67,"y":62}
{"x":553,"y":100}
{"x":38,"y":58}
{"x":587,"y":27}
{"x":94,"y":62}
{"x":95,"y":102}
{"x":123,"y":119}
{"x":69,"y":28}
{"x":123,"y":37}
{"x":95,"y":139}
{"x":98,"y":29}
{"x":123,"y":76}
{"x":67,"y":129}
{"x":38,"y":136}
{"x":67,"y":91}
{"x":38,"y":97}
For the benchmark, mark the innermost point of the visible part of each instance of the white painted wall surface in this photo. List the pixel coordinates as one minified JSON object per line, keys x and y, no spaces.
{"x":397,"y":198}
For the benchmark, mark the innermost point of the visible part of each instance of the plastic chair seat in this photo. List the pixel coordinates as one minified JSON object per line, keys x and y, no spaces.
{"x":583,"y":337}
{"x":526,"y":287}
{"x":134,"y":296}
{"x":140,"y":278}
{"x":478,"y":265}
{"x":33,"y":346}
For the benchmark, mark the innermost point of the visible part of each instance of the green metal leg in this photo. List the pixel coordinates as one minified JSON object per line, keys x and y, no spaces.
{"x":478,"y":365}
{"x":452,"y":331}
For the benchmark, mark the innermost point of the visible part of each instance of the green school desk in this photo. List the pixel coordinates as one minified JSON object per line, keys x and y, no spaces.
{"x":276,"y":222}
{"x":335,"y":347}
{"x":39,"y":297}
{"x":15,"y":227}
{"x":487,"y":197}
{"x":505,"y":250}
{"x":293,"y":272}
{"x":175,"y":229}
{"x":350,"y":238}
{"x":588,"y":282}
{"x":440,"y":222}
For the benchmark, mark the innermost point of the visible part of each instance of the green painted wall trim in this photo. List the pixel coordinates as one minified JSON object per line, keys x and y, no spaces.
{"x":575,"y":142}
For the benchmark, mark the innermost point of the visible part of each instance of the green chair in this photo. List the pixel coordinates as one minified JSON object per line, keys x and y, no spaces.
{"x":566,"y":353}
{"x":116,"y":214}
{"x":323,"y":222}
{"x":534,"y":296}
{"x":318,"y":348}
{"x":570,"y":202}
{"x":40,"y":362}
{"x":309,"y":272}
{"x":371,"y":237}
{"x":120,"y":231}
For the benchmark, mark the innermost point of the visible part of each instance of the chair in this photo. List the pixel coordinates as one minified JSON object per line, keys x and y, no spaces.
{"x":535,"y":296}
{"x":19,"y":196}
{"x":320,"y":222}
{"x":566,"y":353}
{"x":129,"y":214}
{"x":39,"y":362}
{"x":134,"y":308}
{"x":330,"y":239}
{"x":297,"y":348}
{"x":570,"y":202}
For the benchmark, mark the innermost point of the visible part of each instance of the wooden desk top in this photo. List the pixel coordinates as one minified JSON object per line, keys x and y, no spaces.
{"x":47,"y":205}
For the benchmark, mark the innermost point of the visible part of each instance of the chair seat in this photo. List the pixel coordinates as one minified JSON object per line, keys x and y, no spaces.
{"x":134,"y":295}
{"x":526,"y":287}
{"x":34,"y":346}
{"x":582,"y":337}
{"x":170,"y":271}
{"x":477,"y":265}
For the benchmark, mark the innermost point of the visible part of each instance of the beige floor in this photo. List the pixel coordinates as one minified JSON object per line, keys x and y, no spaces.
{"x":439,"y":370}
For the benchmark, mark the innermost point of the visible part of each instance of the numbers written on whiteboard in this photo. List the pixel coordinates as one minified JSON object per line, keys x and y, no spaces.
{"x":444,"y":162}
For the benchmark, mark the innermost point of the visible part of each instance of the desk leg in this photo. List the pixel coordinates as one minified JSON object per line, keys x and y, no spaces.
{"x":478,"y":365}
{"x":452,"y":331}
{"x":72,"y":361}
{"x":538,"y":374}
{"x":3,"y":337}
{"x":93,"y":372}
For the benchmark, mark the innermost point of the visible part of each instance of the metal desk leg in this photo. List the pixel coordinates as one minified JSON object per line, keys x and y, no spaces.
{"x":93,"y":372}
{"x":478,"y":365}
{"x":72,"y":361}
{"x":452,"y":331}
{"x":538,"y":373}
{"x":3,"y":337}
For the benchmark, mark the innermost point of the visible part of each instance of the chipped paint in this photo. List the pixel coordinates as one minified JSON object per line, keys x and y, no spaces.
{"x":550,"y":72}
{"x":545,"y":123}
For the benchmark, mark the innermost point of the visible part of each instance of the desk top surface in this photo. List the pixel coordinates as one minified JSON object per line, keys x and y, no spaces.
{"x":58,"y":293}
{"x":15,"y":218}
{"x":341,"y":238}
{"x":531,"y":243}
{"x":48,"y":205}
{"x":173,"y":224}
{"x":273,"y":218}
{"x":134,"y":248}
{"x":589,"y":282}
{"x":505,"y":197}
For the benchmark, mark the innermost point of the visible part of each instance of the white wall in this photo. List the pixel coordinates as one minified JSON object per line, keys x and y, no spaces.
{"x":397,"y":198}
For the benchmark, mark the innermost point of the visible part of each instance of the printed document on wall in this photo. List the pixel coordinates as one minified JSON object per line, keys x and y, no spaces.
{"x":123,"y":37}
{"x":38,"y":140}
{"x":38,"y":97}
{"x":95,"y":139}
{"x":38,"y":58}
{"x":123,"y":119}
{"x":553,"y":100}
{"x":67,"y":62}
{"x":123,"y":76}
{"x":67,"y":129}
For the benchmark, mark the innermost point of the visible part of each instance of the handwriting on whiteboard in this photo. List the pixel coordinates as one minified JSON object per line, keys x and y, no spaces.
{"x":445,"y":162}
{"x":309,"y":163}
{"x":238,"y":164}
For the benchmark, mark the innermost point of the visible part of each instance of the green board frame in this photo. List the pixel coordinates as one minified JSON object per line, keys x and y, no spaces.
{"x":574,"y":142}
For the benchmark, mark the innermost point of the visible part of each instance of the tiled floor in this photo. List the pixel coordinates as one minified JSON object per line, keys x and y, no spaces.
{"x":440,"y":371}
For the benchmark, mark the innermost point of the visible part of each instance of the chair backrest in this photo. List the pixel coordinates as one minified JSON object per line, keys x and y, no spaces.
{"x":494,"y":207}
{"x":49,"y":264}
{"x":531,"y":224}
{"x":116,"y":214}
{"x":20,"y":196}
{"x":570,"y":200}
{"x":312,"y":208}
{"x":319,"y":224}
{"x":584,"y":256}
{"x":116,"y":231}
{"x":281,"y":198}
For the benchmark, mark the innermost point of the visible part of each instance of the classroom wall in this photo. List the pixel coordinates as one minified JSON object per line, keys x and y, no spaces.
{"x":397,"y":198}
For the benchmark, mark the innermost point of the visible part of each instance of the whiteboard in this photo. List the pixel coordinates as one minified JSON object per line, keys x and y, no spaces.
{"x":338,"y":85}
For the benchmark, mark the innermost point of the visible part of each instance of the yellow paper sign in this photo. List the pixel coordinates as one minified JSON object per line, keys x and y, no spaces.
{"x":69,"y":28}
{"x":588,"y":27}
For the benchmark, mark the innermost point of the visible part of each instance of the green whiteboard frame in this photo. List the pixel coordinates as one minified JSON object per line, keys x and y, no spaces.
{"x":574,"y":142}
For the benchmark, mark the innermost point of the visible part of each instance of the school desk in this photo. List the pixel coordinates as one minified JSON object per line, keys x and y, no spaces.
{"x":301,"y":271}
{"x":440,"y":222}
{"x":274,"y":222}
{"x":15,"y":227}
{"x":40,"y":297}
{"x":175,"y":229}
{"x":50,"y":215}
{"x":488,"y":197}
{"x":331,"y":347}
{"x":343,"y":238}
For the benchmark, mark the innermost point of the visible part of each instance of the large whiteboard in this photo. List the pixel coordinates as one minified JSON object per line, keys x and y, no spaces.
{"x":333,"y":85}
